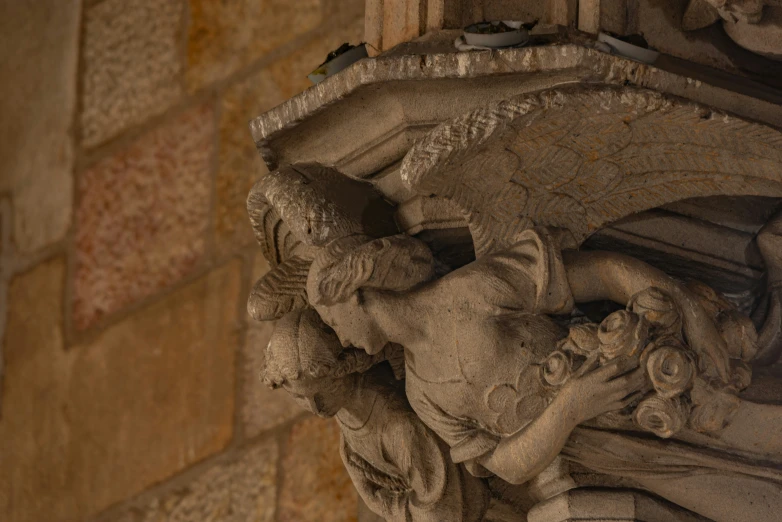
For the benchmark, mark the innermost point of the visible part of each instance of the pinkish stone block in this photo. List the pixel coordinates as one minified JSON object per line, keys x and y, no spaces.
{"x":142,"y":216}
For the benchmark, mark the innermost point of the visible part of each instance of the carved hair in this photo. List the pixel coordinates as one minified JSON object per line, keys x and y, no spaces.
{"x":303,"y":346}
{"x":281,"y":291}
{"x":397,"y":263}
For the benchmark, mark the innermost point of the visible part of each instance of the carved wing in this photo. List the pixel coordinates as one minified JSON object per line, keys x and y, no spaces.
{"x":272,"y":233}
{"x":294,"y":211}
{"x":583,"y":157}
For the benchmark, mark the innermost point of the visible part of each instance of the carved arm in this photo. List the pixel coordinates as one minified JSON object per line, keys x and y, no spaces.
{"x":595,"y":276}
{"x":524,"y":455}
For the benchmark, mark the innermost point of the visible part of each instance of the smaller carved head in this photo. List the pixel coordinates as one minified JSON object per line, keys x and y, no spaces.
{"x":352,"y":269}
{"x":305,"y":357}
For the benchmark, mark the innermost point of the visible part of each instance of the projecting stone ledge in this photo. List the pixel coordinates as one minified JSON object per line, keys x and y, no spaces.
{"x":366,"y":117}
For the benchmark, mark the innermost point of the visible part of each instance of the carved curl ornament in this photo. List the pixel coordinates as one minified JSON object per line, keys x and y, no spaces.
{"x":442,"y":377}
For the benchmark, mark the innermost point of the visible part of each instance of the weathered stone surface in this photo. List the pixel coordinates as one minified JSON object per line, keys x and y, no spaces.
{"x":143,"y":216}
{"x":242,"y":489}
{"x":316,"y":486}
{"x":261,"y":408}
{"x":224,"y":37}
{"x":132,"y":64}
{"x":87,"y":427}
{"x":38,"y":64}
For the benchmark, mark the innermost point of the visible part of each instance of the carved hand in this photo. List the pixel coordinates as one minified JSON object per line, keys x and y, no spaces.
{"x":607,"y":388}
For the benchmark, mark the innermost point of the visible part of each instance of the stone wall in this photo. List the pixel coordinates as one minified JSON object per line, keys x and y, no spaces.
{"x":130,"y":387}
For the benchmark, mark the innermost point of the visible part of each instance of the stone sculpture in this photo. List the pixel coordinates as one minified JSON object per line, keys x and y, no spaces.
{"x":400,"y":468}
{"x":500,"y":361}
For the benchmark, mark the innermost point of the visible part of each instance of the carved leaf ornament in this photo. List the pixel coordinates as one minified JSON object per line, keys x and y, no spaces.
{"x":583,"y":157}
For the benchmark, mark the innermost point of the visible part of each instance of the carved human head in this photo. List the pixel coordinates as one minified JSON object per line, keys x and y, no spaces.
{"x":344,"y":272}
{"x":305,"y":357}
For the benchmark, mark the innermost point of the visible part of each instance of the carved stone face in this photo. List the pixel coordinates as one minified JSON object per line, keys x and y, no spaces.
{"x":324,"y":397}
{"x":353,"y":325}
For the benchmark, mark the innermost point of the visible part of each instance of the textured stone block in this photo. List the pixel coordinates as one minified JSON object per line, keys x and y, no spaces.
{"x":240,"y":165}
{"x":242,"y":489}
{"x":224,"y":37}
{"x":89,"y":426}
{"x":316,"y":486}
{"x":38,"y":64}
{"x":261,"y":408}
{"x":132,"y":64}
{"x":143,"y":216}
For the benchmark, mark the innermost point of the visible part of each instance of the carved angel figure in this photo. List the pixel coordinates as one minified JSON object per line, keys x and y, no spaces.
{"x":484,"y":345}
{"x":475,"y":341}
{"x":399,"y":467}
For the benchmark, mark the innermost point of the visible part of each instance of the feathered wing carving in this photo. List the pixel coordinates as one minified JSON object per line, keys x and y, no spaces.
{"x":583,"y":157}
{"x":295,"y":211}
{"x":282,"y":290}
{"x":274,"y":236}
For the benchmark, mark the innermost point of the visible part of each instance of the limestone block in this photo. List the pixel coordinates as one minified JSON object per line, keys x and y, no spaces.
{"x":38,"y":64}
{"x":143,"y":216}
{"x":132,"y":65}
{"x":316,"y":486}
{"x":224,"y":37}
{"x":240,"y":489}
{"x":89,"y":426}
